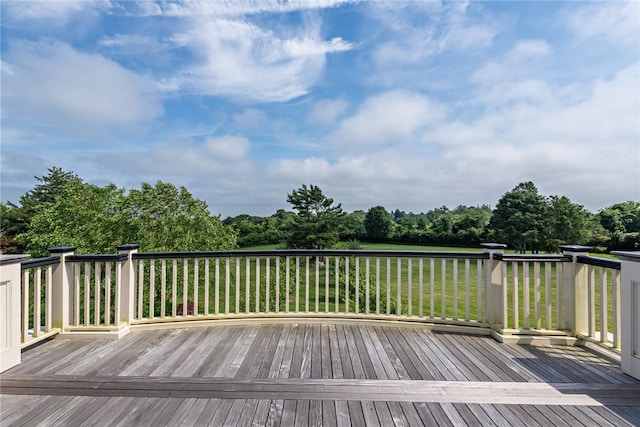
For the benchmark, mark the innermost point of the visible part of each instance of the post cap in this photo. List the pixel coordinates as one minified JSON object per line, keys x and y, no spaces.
{"x":128,"y":247}
{"x":61,"y":249}
{"x":627,"y":255}
{"x":493,"y":245}
{"x":575,"y":248}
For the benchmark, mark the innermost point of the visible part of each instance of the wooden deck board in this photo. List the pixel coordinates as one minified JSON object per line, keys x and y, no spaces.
{"x":314,"y":374}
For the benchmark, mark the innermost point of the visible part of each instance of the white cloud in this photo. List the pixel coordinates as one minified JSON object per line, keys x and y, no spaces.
{"x":526,"y":49}
{"x":231,"y":8}
{"x":54,"y":12}
{"x":617,"y":22}
{"x":586,"y":149}
{"x":522,"y":61}
{"x":392,"y":117}
{"x":227,"y":147}
{"x":327,"y":111}
{"x":125,"y":40}
{"x":421,"y":30}
{"x":242,"y":60}
{"x":52,"y":84}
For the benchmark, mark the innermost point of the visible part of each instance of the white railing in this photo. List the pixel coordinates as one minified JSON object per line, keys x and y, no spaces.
{"x":419,"y":286}
{"x":512,"y":295}
{"x":36,"y":299}
{"x":533,"y":292}
{"x":600,"y":278}
{"x":96,"y":290}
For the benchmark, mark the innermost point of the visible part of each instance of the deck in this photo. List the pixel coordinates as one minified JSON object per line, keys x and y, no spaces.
{"x":313,"y":374}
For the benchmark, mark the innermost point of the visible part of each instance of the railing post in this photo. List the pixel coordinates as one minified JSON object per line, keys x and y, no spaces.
{"x":495,"y":293}
{"x":10,"y":298}
{"x":127,"y":284}
{"x":630,"y":312}
{"x":576,"y":304}
{"x":62,"y":288}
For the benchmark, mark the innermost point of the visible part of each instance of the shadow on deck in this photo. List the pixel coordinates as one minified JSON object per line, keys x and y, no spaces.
{"x":314,"y":374}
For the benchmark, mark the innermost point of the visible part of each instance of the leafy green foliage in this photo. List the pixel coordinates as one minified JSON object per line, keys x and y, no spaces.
{"x":317,"y":221}
{"x":65,"y":211}
{"x":567,"y":223}
{"x":165,"y":218}
{"x":379,"y":224}
{"x":519,"y":218}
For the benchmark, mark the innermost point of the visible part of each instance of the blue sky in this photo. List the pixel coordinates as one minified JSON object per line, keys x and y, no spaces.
{"x":409,"y":105}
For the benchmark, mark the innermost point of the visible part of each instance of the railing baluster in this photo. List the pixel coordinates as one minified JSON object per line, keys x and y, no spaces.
{"x":432,"y":290}
{"x":37,"y":289}
{"x":306,"y":284}
{"x":140,"y":287}
{"x":547,"y":293}
{"x":174,"y":288}
{"x":277,"y":284}
{"x":559,"y":295}
{"x":258,"y":280}
{"x":247,"y":297}
{"x":357,"y":291}
{"x":185,"y":286}
{"x":536,"y":279}
{"x":479,"y":271}
{"x":591,"y":301}
{"x":443,"y":274}
{"x":96,"y":296}
{"x":604,"y":330}
{"x":297,"y":301}
{"x":388,"y":286}
{"x":366,"y":284}
{"x":267,"y":297}
{"x":118,"y":285}
{"x":196,"y":285}
{"x":216,"y":301}
{"x":399,"y":286}
{"x":421,"y":287}
{"x":287,"y":284}
{"x":152,"y":287}
{"x":516,"y":302}
{"x":337,"y":285}
{"x":378,"y":286}
{"x":227,"y":284}
{"x":317,"y":274}
{"x":455,"y":289}
{"x":526,"y":303}
{"x":107,"y":294}
{"x":615,"y":283}
{"x":87,"y":294}
{"x":25,"y":305}
{"x":237,"y":286}
{"x":505,"y":302}
{"x":327,"y":266}
{"x":163,"y":288}
{"x":409,"y":287}
{"x":346,"y":284}
{"x":467,"y":289}
{"x":48,"y":298}
{"x":76,"y":293}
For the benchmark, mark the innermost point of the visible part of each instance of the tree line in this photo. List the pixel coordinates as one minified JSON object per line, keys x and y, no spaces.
{"x":523,"y":218}
{"x":63,"y":209}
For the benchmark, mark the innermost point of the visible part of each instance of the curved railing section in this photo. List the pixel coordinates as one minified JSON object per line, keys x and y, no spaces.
{"x":568,"y":294}
{"x":408,"y":285}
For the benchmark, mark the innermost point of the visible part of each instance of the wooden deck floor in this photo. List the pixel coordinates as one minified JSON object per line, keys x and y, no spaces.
{"x":312,"y":374}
